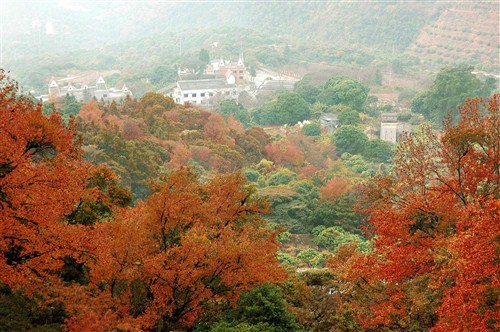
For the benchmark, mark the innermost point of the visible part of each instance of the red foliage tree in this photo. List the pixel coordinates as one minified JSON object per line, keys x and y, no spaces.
{"x":285,"y":153}
{"x":132,"y":130}
{"x":235,"y":125}
{"x":91,"y":113}
{"x":42,"y":177}
{"x":308,"y":171}
{"x":436,"y":221}
{"x":181,"y":154}
{"x":189,"y":243}
{"x":333,"y":189}
{"x":217,"y":131}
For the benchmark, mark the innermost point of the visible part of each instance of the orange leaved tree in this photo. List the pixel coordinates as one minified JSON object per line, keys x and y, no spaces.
{"x":436,"y":225}
{"x":42,"y":176}
{"x":190,"y":243}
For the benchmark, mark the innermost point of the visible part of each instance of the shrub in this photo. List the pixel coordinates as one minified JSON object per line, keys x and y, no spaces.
{"x":311,"y":129}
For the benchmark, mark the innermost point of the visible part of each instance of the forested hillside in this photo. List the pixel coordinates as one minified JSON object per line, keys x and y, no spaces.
{"x":322,"y":166}
{"x":168,"y":34}
{"x":166,"y":216}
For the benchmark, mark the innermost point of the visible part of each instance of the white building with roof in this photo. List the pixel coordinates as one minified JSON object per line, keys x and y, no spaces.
{"x":99,"y":91}
{"x":203,"y":92}
{"x":389,"y":127}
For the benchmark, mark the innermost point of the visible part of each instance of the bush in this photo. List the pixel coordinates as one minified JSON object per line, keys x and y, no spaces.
{"x":251,"y":175}
{"x":311,"y":129}
{"x":284,"y":237}
{"x":334,"y":237}
{"x":312,"y":258}
{"x":286,"y":259}
{"x":281,"y":176}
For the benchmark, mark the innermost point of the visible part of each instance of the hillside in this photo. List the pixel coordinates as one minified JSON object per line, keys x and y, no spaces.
{"x":138,"y":38}
{"x":466,"y":33}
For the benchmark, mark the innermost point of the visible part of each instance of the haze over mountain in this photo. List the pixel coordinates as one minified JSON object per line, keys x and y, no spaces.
{"x":249,"y":166}
{"x":41,"y":39}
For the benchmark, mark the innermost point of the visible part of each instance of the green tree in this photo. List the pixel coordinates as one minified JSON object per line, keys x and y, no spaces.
{"x":311,"y":257}
{"x":378,"y":151}
{"x":71,"y":106}
{"x":287,"y":108}
{"x":378,"y":77}
{"x":334,"y":237}
{"x":343,"y":90}
{"x":251,"y":175}
{"x":264,"y":305}
{"x":350,"y":117}
{"x":306,"y":90}
{"x":86,"y":96}
{"x":451,"y":88}
{"x":311,"y":129}
{"x":340,"y":214}
{"x":286,"y":54}
{"x":204,"y":56}
{"x":153,"y":99}
{"x":162,"y":75}
{"x":350,"y":139}
{"x":228,"y":107}
{"x":281,"y":176}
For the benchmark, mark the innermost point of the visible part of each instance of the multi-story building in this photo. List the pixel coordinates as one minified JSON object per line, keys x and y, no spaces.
{"x":229,"y":70}
{"x":204,"y":92}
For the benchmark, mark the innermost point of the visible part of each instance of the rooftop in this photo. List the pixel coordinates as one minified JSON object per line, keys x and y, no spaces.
{"x":389,"y":117}
{"x":277,"y":84}
{"x":203,"y":84}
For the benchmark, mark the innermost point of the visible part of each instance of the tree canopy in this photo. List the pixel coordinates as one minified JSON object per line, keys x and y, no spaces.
{"x":350,"y":139}
{"x":70,"y":243}
{"x":287,"y":108}
{"x":343,"y":90}
{"x":451,"y":87}
{"x":434,"y":265}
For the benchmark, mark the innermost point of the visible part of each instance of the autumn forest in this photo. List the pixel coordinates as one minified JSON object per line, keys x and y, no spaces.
{"x":197,"y":246}
{"x":249,"y":166}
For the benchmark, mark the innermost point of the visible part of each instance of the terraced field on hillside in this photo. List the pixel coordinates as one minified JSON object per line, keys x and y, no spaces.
{"x":467,"y":32}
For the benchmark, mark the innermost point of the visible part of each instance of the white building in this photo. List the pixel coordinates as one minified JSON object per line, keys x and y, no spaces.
{"x":203,"y":92}
{"x":389,"y":127}
{"x":85,"y":92}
